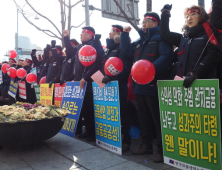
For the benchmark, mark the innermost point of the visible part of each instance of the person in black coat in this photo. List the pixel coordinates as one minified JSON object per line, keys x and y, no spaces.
{"x":55,"y":66}
{"x":5,"y":84}
{"x":197,"y":56}
{"x":20,"y":64}
{"x":83,"y":74}
{"x":42,"y":65}
{"x":30,"y":91}
{"x":113,"y":50}
{"x":216,"y":21}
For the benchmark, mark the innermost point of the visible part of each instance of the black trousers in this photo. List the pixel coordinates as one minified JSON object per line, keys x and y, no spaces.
{"x":149,"y":114}
{"x":88,"y":112}
{"x":125,"y":121}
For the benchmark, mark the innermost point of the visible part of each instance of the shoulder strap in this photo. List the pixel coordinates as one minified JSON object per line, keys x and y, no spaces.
{"x":210,"y":33}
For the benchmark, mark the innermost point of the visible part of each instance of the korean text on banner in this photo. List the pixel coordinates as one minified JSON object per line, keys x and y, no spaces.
{"x":46,"y":94}
{"x":13,"y":87}
{"x":72,"y":100}
{"x":22,"y":89}
{"x":58,"y":92}
{"x":190,"y":123}
{"x":37,"y":92}
{"x":107,"y":117}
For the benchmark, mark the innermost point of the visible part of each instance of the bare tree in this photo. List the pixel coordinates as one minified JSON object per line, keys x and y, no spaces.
{"x":125,"y":15}
{"x":65,"y":18}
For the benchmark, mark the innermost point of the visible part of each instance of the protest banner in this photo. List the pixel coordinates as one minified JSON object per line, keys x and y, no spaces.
{"x":37,"y":92}
{"x":58,"y":92}
{"x":46,"y":94}
{"x":72,"y":100}
{"x":190,"y":123}
{"x":22,"y":90}
{"x":107,"y":117}
{"x":13,"y":87}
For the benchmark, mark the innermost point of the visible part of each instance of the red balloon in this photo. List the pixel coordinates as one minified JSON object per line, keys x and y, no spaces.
{"x":87,"y":55}
{"x":143,"y":72}
{"x":12,"y":54}
{"x":21,"y":73}
{"x":5,"y":67}
{"x":31,"y":78}
{"x":12,"y":72}
{"x":113,"y":66}
{"x":42,"y":80}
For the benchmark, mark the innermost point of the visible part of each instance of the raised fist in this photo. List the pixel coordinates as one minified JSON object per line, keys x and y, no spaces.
{"x":167,"y":6}
{"x":127,"y":29}
{"x":66,"y":33}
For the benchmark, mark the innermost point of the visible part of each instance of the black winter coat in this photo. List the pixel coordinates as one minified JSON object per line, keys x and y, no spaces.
{"x":113,"y":50}
{"x":216,"y":21}
{"x":67,"y":69}
{"x":79,"y":70}
{"x":190,"y":47}
{"x":55,"y":67}
{"x":30,"y":91}
{"x":41,"y":67}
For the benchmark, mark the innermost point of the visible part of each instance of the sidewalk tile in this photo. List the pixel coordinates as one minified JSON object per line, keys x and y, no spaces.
{"x":46,"y":159}
{"x":129,"y":166}
{"x":65,"y":144}
{"x":96,"y":159}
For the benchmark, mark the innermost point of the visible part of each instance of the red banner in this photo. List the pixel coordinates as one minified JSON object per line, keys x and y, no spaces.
{"x":58,"y":94}
{"x":22,"y":90}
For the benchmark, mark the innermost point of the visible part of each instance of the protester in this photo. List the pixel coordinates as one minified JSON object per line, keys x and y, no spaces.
{"x":197,"y":56}
{"x":30,"y":91}
{"x":83,"y":74}
{"x":149,"y":47}
{"x":55,"y":66}
{"x":41,"y":66}
{"x":113,"y":48}
{"x":5,"y":85}
{"x":74,"y":42}
{"x":68,"y":65}
{"x":12,"y":62}
{"x":216,"y":21}
{"x":20,"y":64}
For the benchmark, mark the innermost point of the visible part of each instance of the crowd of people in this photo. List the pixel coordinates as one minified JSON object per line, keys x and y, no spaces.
{"x":195,"y":54}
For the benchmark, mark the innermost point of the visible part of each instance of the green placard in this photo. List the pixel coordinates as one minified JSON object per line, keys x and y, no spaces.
{"x":37,"y":92}
{"x":190,"y":123}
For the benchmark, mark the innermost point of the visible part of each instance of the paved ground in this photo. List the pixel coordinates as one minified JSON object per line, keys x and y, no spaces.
{"x":57,"y":154}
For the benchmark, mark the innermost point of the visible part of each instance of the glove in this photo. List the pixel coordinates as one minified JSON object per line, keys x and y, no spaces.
{"x":33,"y":52}
{"x":50,"y":84}
{"x":166,"y":9}
{"x":61,"y":82}
{"x":105,"y":80}
{"x":189,"y":80}
{"x":53,"y":43}
{"x":97,"y":37}
{"x":167,"y":6}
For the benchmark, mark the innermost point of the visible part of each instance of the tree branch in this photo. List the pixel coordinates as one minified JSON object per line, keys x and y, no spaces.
{"x":47,"y":32}
{"x":43,"y":17}
{"x":126,"y":17}
{"x":81,"y":23}
{"x":128,"y":5}
{"x":63,"y":3}
{"x":77,"y":3}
